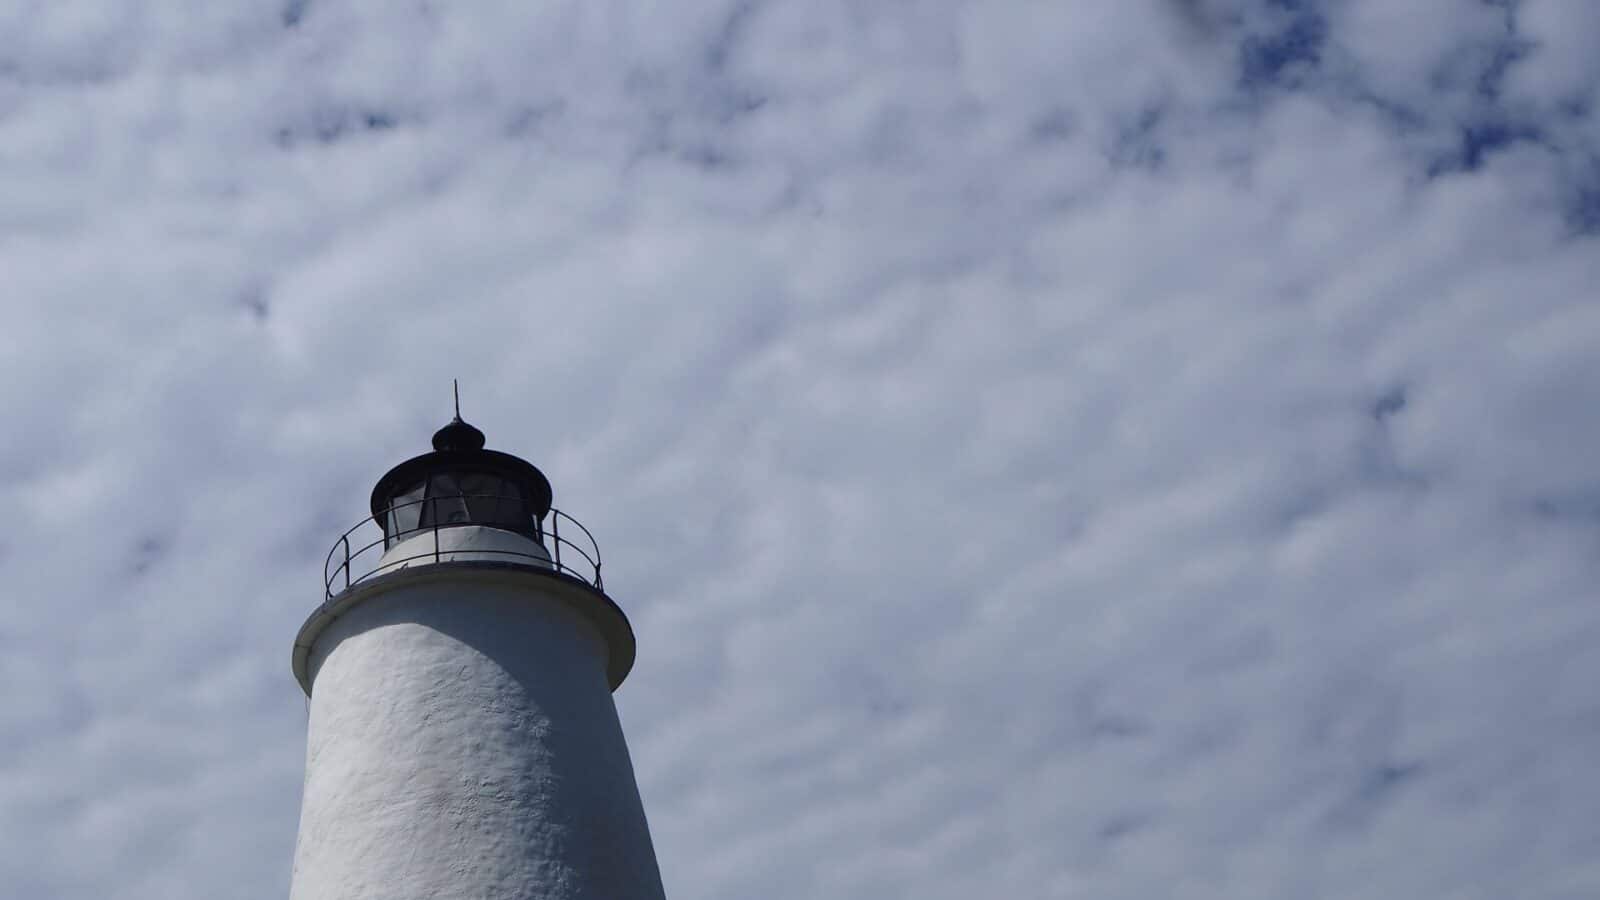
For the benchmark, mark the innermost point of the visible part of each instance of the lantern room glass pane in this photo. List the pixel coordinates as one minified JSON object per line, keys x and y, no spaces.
{"x":510,"y":511}
{"x":458,"y":498}
{"x":445,"y":504}
{"x":405,"y":511}
{"x":484,"y":495}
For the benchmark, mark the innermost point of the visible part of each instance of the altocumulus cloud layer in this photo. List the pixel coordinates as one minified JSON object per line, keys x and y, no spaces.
{"x":1048,"y":449}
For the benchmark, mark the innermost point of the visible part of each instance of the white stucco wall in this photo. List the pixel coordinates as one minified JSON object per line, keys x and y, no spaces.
{"x":462,"y":543}
{"x":463,"y":743}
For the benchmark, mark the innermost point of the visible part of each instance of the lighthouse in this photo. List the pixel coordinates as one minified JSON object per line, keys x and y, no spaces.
{"x":462,"y":740}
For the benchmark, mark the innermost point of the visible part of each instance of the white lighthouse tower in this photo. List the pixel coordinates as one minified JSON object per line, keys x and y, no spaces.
{"x":462,"y":741}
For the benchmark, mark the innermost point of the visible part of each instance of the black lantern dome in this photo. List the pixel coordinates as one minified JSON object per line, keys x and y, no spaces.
{"x":461,"y":483}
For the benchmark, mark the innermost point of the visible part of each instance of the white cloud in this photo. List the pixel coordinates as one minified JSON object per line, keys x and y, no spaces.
{"x":1119,"y":450}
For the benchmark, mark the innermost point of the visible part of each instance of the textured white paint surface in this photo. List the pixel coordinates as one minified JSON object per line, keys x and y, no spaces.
{"x":463,"y":743}
{"x":463,"y":543}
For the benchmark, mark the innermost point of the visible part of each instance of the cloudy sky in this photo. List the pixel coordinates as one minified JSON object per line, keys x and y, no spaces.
{"x":1073,"y":448}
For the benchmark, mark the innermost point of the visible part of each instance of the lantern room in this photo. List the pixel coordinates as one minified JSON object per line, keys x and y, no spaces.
{"x":461,"y":483}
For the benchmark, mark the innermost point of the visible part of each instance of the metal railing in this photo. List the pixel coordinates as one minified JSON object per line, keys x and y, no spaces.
{"x":343,"y":569}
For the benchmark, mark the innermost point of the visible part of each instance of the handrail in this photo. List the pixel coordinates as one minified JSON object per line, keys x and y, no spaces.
{"x":360,"y":564}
